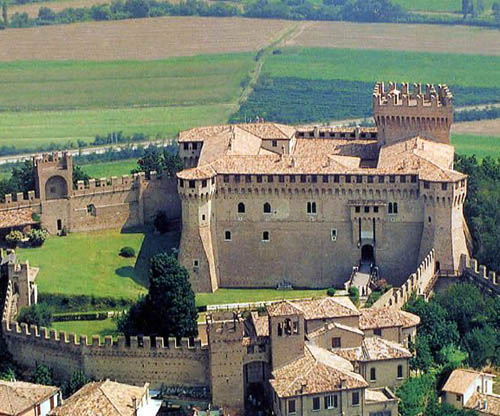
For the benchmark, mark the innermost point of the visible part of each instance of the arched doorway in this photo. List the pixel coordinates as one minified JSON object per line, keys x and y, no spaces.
{"x":367,"y":254}
{"x":56,"y":187}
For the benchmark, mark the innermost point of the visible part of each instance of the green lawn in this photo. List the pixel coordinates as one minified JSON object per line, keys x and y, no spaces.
{"x":108,"y":169}
{"x":88,"y":263}
{"x":481,"y":146}
{"x":375,"y":65}
{"x":32,"y":129}
{"x":64,"y":85}
{"x":89,"y":328}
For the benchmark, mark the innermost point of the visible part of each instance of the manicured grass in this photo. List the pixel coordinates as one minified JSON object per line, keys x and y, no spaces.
{"x":89,"y":328}
{"x":481,"y":146}
{"x":88,"y":263}
{"x":63,"y":85}
{"x":108,"y":169}
{"x":375,"y":65}
{"x":32,"y":129}
{"x":223,"y":296}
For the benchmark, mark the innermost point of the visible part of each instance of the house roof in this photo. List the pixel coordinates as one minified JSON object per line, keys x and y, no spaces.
{"x":386,"y":317}
{"x":318,"y":371}
{"x":334,"y":325}
{"x":17,"y":396}
{"x":16,"y":218}
{"x":460,"y":380}
{"x":329,"y":307}
{"x":102,"y":398}
{"x":261,"y":324}
{"x":374,"y":349}
{"x":478,"y":400}
{"x":283,"y":308}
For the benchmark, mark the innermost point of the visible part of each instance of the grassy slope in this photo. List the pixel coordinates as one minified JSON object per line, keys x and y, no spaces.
{"x":481,"y":146}
{"x":89,"y":328}
{"x":108,"y":169}
{"x":374,"y":65}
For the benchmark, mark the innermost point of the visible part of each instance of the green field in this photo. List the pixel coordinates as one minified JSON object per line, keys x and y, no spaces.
{"x":436,"y":6}
{"x":108,"y":169}
{"x":32,"y":129}
{"x":89,"y":328}
{"x":379,"y":65}
{"x":481,"y":146}
{"x":88,"y":263}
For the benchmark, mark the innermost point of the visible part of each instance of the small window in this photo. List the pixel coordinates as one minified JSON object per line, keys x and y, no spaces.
{"x":444,"y":186}
{"x":204,"y":183}
{"x":402,"y":179}
{"x":348,"y":178}
{"x":357,"y":209}
{"x":267,"y":208}
{"x":227,"y":235}
{"x":359,"y":179}
{"x":367,"y":209}
{"x":311,"y":207}
{"x":427,"y":185}
{"x":336,"y":178}
{"x":303,"y":178}
{"x":265,"y":236}
{"x":241,"y":208}
{"x":281,"y":178}
{"x":325,"y":178}
{"x":331,"y":401}
{"x":355,"y":398}
{"x":336,"y":343}
{"x":196,"y":263}
{"x":378,"y":332}
{"x":334,"y":234}
{"x":400,"y":371}
{"x":389,"y":208}
{"x":91,"y":210}
{"x":59,"y":225}
{"x":392,"y":178}
{"x":259,"y":179}
{"x":181,"y":183}
{"x":292,"y":178}
{"x":248,"y":178}
{"x":430,"y":219}
{"x":195,"y":146}
{"x":375,"y":209}
{"x":226,"y":178}
{"x":237,"y":178}
{"x":413,"y":178}
{"x":314,"y":179}
{"x":381,"y":179}
{"x":316,"y":404}
{"x":373,"y":374}
{"x":203,"y":217}
{"x":459,"y":397}
{"x":295,"y":327}
{"x":370,"y":179}
{"x":270,"y":178}
{"x":191,"y":184}
{"x":395,"y":207}
{"x":186,"y":146}
{"x":291,"y":406}
{"x":275,"y":143}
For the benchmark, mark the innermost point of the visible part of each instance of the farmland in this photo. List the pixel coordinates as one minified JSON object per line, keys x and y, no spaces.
{"x":481,"y":146}
{"x":139,"y":39}
{"x":33,"y":8}
{"x":481,"y":127}
{"x":436,"y":6}
{"x":390,"y":36}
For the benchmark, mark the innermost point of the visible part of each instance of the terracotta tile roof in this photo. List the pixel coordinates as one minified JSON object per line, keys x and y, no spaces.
{"x":374,"y":349}
{"x":283,"y":308}
{"x":359,"y":148}
{"x":310,"y":375}
{"x":460,"y":380}
{"x":261,"y":324}
{"x":204,"y":172}
{"x":332,"y":325}
{"x":477,"y":401}
{"x":386,"y":317}
{"x":18,"y":396}
{"x":102,"y":398}
{"x":329,"y":307}
{"x":269,"y":130}
{"x":16,"y":217}
{"x":382,"y":394}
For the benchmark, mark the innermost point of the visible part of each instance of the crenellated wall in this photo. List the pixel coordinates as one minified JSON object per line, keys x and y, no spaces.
{"x":479,"y":275}
{"x":420,"y":283}
{"x":144,"y":359}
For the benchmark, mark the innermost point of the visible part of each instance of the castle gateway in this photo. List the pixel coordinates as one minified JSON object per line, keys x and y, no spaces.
{"x":265,"y":203}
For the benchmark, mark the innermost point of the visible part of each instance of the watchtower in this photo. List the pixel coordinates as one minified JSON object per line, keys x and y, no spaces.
{"x":53,"y":176}
{"x":401,"y":113}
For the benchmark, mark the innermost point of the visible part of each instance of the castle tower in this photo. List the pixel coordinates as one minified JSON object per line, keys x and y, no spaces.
{"x":401,"y":113}
{"x":197,"y":247}
{"x":225,"y":339}
{"x":53,"y":176}
{"x":286,"y":332}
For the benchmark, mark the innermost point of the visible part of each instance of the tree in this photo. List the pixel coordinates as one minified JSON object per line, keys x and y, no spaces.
{"x":38,"y":314}
{"x":46,"y":14}
{"x":422,"y":360}
{"x":79,"y":175}
{"x":483,"y":345}
{"x":496,"y":10}
{"x":77,"y":381}
{"x":5,"y":13}
{"x":416,"y":393}
{"x":151,"y":161}
{"x":43,"y":375}
{"x":172,"y":162}
{"x":23,"y":177}
{"x":354,"y":294}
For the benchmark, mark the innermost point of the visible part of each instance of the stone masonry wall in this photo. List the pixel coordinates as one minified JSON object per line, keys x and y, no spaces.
{"x":479,"y":275}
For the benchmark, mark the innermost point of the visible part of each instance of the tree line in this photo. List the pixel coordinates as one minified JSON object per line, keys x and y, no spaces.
{"x":330,"y":10}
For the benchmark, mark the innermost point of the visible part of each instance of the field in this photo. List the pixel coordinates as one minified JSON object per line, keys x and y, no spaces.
{"x":481,"y":127}
{"x":33,"y":8}
{"x":436,"y":6}
{"x":108,"y":169}
{"x":139,"y":39}
{"x":403,"y":37}
{"x":481,"y":146}
{"x":89,"y":328}
{"x":88,"y":263}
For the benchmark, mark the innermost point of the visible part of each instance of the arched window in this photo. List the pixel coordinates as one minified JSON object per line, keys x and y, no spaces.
{"x":241,"y":208}
{"x":395,"y":207}
{"x":267,"y":208}
{"x":265,"y":236}
{"x":389,"y":208}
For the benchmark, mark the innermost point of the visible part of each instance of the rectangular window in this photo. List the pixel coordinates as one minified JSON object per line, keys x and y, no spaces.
{"x":355,"y":398}
{"x":213,"y":180}
{"x":237,"y":178}
{"x":204,"y":183}
{"x":186,"y":146}
{"x":265,"y":236}
{"x":381,"y":179}
{"x":357,"y":209}
{"x":281,"y":178}
{"x":444,"y":186}
{"x":314,"y":179}
{"x":375,"y":209}
{"x":259,"y":179}
{"x":291,"y":406}
{"x":370,"y":179}
{"x":392,"y":178}
{"x":181,"y":183}
{"x":325,"y":178}
{"x":334,"y":234}
{"x":195,"y":146}
{"x":336,"y":178}
{"x":377,"y":331}
{"x":248,"y":178}
{"x":270,"y":178}
{"x":359,"y":179}
{"x":413,"y":178}
{"x":373,"y":374}
{"x":427,"y":185}
{"x":227,"y":235}
{"x":316,"y":404}
{"x":275,"y":143}
{"x":331,"y":401}
{"x":226,"y":178}
{"x":348,"y":178}
{"x":367,"y":209}
{"x":191,"y":184}
{"x":311,"y":207}
{"x":459,"y":397}
{"x":292,"y":178}
{"x":400,"y":371}
{"x":303,"y":178}
{"x":402,"y":179}
{"x":336,"y":343}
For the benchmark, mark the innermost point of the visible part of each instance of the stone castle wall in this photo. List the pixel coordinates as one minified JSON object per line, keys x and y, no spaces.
{"x":479,"y":275}
{"x":419,"y":283}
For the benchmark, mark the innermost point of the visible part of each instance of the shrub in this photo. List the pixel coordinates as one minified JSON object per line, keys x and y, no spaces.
{"x":37,"y":237}
{"x":39,"y":315}
{"x":64,"y":232}
{"x":331,"y":291}
{"x":127,"y":252}
{"x":354,"y":294}
{"x":35,"y":217}
{"x":161,"y":222}
{"x":14,"y":238}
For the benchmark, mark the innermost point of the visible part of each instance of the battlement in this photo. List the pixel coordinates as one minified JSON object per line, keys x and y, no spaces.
{"x":19,"y":200}
{"x":53,"y":159}
{"x":417,"y":282}
{"x":344,"y":133}
{"x":113,"y":184}
{"x":478,"y":274}
{"x":403,"y":96}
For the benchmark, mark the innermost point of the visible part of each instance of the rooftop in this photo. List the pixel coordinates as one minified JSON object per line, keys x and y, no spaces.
{"x":485,"y":403}
{"x":386,"y":317}
{"x":16,"y":218}
{"x":460,"y":380}
{"x":18,"y":396}
{"x":374,"y":349}
{"x":102,"y":398}
{"x":328,"y":307}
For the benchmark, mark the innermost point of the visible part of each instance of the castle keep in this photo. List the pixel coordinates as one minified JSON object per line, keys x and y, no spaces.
{"x":265,"y":203}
